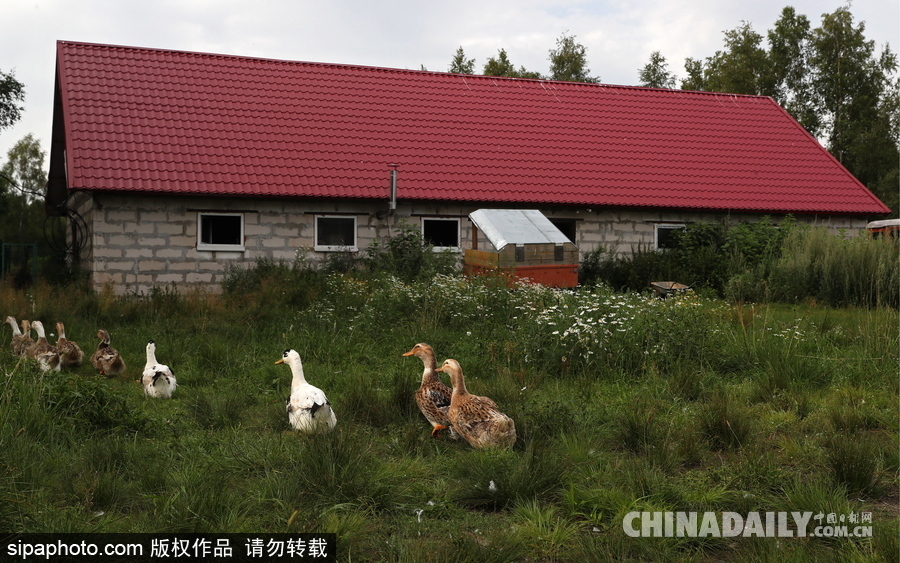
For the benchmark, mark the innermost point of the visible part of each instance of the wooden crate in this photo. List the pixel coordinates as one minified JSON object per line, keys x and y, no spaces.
{"x":547,"y":264}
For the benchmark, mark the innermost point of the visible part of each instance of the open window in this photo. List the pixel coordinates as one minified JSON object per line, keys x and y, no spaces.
{"x":220,"y":232}
{"x":442,"y":234}
{"x":664,"y":235}
{"x":335,"y":233}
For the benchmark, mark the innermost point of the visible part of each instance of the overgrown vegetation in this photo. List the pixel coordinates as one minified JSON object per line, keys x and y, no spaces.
{"x":622,"y":402}
{"x":761,"y":262}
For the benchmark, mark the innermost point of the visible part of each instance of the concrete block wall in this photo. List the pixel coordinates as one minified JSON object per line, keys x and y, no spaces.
{"x":141,"y":241}
{"x":624,"y":231}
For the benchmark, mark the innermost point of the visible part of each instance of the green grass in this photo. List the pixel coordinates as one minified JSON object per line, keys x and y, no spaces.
{"x":622,"y":402}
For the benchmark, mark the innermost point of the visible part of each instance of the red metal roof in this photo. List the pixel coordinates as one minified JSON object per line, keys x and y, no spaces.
{"x":152,"y":120}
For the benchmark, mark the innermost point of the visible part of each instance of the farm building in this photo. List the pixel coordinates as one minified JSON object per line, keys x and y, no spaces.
{"x":173,"y":165}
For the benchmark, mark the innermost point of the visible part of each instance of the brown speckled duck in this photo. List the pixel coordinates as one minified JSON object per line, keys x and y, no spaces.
{"x":107,"y":359}
{"x":433,"y":396}
{"x":20,"y":342}
{"x":42,"y":351}
{"x":27,"y":342}
{"x":70,"y":353}
{"x":477,"y":419}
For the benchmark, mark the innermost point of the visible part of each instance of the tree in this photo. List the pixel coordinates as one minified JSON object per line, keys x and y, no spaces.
{"x":858,"y":101}
{"x":22,"y":183}
{"x":655,"y":73}
{"x":742,"y":68}
{"x":568,"y":61}
{"x":501,"y":66}
{"x":849,"y":78}
{"x":12,"y":93}
{"x":789,"y":51}
{"x":25,"y":167}
{"x":694,"y":79}
{"x":460,"y":64}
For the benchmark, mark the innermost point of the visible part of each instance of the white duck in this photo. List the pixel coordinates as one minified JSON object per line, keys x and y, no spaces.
{"x":308,"y":408}
{"x":157,"y":379}
{"x":42,"y":351}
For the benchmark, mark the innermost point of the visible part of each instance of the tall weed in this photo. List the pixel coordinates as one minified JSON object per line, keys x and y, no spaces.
{"x":839,"y":271}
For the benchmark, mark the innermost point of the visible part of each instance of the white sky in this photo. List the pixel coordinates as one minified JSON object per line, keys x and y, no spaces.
{"x":619,"y":34}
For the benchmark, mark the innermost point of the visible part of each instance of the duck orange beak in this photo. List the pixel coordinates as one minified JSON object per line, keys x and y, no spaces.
{"x":410,"y":353}
{"x":281,"y":361}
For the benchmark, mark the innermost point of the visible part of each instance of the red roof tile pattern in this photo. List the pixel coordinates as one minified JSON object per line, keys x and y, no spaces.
{"x":152,"y":120}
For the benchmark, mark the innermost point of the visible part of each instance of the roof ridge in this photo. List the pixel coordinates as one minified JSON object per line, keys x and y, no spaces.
{"x":402,"y":70}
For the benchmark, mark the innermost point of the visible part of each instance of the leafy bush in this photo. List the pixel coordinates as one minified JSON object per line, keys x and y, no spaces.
{"x":760,"y":261}
{"x":408,"y":256}
{"x":632,"y":272}
{"x":705,"y":255}
{"x":269,"y":283}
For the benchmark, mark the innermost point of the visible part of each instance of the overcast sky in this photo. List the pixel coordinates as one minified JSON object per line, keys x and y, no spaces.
{"x":619,"y":34}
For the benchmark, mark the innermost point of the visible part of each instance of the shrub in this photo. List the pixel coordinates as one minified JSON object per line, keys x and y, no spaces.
{"x":761,"y":261}
{"x":632,"y":272}
{"x":408,"y":256}
{"x":269,"y":283}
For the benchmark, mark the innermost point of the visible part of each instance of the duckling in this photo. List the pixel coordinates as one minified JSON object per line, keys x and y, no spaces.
{"x":433,"y":396}
{"x":308,"y":409}
{"x":20,"y":342}
{"x":70,"y":353}
{"x":107,"y":359}
{"x":477,"y":419}
{"x":42,"y":351}
{"x":157,"y":379}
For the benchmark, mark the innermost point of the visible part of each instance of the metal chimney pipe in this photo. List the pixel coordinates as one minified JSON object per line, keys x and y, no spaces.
{"x":393,"y":203}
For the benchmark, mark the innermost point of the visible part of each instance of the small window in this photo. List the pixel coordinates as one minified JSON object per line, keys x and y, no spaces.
{"x":335,"y":234}
{"x":664,"y":235}
{"x":442,"y":234}
{"x":220,"y":231}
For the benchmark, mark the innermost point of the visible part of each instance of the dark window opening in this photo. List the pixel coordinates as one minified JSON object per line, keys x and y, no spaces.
{"x":336,"y":232}
{"x":666,"y":236}
{"x":221,"y":230}
{"x":441,"y":233}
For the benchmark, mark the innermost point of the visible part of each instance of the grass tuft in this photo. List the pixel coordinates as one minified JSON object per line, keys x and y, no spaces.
{"x":724,"y":423}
